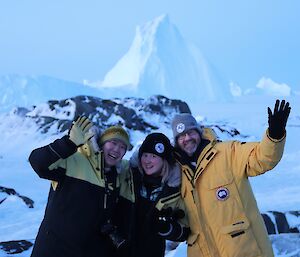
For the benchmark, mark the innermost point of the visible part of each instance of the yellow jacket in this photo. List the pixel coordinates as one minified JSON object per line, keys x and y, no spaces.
{"x":223,"y":213}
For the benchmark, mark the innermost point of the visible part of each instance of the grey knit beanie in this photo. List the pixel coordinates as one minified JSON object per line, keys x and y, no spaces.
{"x":183,"y":122}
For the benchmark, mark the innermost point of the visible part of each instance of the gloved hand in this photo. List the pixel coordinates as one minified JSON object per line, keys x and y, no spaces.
{"x":277,"y":120}
{"x":79,"y":133}
{"x":163,"y":221}
{"x":166,"y":219}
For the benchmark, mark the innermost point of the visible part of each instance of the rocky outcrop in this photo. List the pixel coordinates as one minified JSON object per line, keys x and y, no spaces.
{"x":133,"y":113}
{"x":282,"y":222}
{"x":16,"y":246}
{"x":10,"y":191}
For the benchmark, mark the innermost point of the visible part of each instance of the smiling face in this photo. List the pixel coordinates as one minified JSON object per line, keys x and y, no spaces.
{"x":189,"y":141}
{"x":152,"y":164}
{"x":113,"y":151}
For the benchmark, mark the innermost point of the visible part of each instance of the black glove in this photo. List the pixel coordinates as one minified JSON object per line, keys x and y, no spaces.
{"x":178,"y":214}
{"x":277,"y":120}
{"x":166,"y":220}
{"x":163,"y":221}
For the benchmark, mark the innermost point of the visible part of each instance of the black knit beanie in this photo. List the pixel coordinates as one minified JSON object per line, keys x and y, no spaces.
{"x":158,"y":144}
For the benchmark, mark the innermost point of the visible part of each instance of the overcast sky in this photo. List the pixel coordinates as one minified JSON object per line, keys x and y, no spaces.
{"x":76,"y":40}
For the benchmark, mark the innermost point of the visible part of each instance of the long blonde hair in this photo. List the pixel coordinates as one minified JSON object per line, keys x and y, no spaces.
{"x":165,"y":171}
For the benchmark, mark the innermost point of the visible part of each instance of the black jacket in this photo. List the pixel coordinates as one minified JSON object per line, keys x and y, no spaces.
{"x":151,"y":197}
{"x":81,"y":200}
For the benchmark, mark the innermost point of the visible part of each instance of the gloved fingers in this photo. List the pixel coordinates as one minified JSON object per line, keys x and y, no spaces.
{"x":76,"y":119}
{"x":79,"y":120}
{"x":284,"y":109}
{"x":86,"y":126}
{"x":276,"y":106}
{"x":83,"y":122}
{"x":282,"y":105}
{"x":269,"y":114}
{"x":287,"y":108}
{"x":286,"y":113}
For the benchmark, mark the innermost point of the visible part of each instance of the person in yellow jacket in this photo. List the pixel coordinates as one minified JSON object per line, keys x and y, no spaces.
{"x":223,"y":213}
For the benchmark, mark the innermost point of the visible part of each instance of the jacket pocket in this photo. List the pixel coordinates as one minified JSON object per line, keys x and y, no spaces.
{"x":236,"y":228}
{"x":238,"y":239}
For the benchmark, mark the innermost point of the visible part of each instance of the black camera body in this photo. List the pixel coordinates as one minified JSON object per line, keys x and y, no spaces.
{"x":113,"y":234}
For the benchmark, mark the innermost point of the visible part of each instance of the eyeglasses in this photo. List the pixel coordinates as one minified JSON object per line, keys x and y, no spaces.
{"x":190,"y":133}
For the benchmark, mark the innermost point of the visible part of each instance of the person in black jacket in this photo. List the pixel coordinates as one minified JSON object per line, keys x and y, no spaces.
{"x":91,"y":196}
{"x":160,"y":212}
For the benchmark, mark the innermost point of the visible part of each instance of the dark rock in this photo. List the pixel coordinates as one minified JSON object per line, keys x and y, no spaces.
{"x":128,"y":112}
{"x":227,"y":130}
{"x":269,"y":224}
{"x":14,"y":247}
{"x":281,"y":224}
{"x":135,"y":114}
{"x":11,"y":191}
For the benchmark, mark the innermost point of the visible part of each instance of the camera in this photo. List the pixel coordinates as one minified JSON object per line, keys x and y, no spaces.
{"x":112,"y":232}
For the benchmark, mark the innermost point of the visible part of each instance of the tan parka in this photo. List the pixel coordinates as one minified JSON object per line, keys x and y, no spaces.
{"x":223,"y":213}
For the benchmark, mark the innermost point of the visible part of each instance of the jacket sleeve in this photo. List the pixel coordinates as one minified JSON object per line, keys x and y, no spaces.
{"x":255,"y":158}
{"x":47,"y":161}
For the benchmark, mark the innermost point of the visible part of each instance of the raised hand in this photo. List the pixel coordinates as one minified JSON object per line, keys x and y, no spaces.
{"x":79,"y":132}
{"x":278,"y":119}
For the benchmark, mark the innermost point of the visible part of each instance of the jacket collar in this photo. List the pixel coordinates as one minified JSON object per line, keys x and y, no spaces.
{"x":184,"y":159}
{"x":202,"y":156}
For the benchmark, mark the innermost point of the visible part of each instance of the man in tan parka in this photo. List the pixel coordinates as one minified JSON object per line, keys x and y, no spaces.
{"x":223,"y":213}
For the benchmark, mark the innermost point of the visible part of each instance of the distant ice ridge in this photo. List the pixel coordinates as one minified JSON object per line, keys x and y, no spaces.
{"x":25,"y":91}
{"x":160,"y":61}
